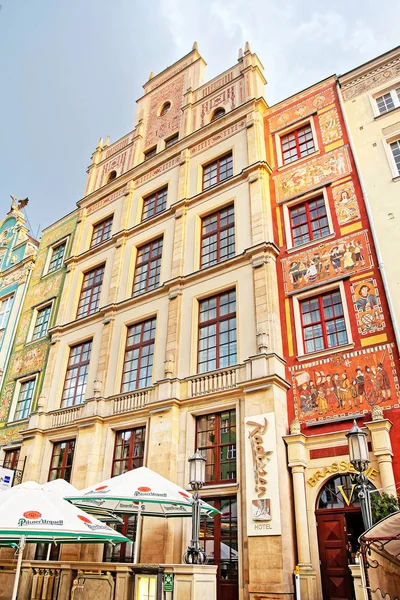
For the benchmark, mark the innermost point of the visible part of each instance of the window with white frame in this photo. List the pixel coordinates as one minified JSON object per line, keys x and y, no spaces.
{"x":41,"y":322}
{"x":322,"y":321}
{"x":297,"y":144}
{"x":388,"y":101}
{"x":24,"y":401}
{"x":57,"y":256}
{"x":395,"y":149}
{"x":5,"y":309}
{"x":308,"y":221}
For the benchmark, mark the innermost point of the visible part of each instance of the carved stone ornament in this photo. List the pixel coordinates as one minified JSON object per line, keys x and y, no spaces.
{"x":262,"y":341}
{"x":377,"y":413}
{"x":97,"y":387}
{"x":169,"y":365}
{"x":295,"y":426}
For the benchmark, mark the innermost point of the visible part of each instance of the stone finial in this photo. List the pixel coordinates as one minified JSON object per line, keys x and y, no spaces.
{"x":247,"y":48}
{"x":377,"y":413}
{"x":107,"y":142}
{"x":99,"y":146}
{"x":295,"y":427}
{"x":240,"y":57}
{"x":262,"y":340}
{"x":151,"y":75}
{"x":195,"y":46}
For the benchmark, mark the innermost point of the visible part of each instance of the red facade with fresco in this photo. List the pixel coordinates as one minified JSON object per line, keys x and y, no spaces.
{"x":337,"y":335}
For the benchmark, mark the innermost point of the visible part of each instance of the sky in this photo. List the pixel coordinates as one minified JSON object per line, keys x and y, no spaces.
{"x":71,"y":71}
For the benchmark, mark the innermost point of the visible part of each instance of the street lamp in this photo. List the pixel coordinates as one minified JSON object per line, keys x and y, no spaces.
{"x":359,"y":458}
{"x":197,"y":470}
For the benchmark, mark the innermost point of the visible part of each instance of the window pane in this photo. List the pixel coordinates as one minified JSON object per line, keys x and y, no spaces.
{"x":138,"y":364}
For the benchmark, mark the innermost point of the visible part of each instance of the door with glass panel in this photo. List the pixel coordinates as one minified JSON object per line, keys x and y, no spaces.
{"x":219,"y":538}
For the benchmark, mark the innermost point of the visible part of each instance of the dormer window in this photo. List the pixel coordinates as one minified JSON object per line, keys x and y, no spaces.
{"x":217,"y":114}
{"x":165,"y":108}
{"x":112,"y":176}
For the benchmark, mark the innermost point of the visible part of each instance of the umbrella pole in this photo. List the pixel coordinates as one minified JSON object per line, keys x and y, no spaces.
{"x":21,"y":547}
{"x":48,"y":552}
{"x":138,"y":537}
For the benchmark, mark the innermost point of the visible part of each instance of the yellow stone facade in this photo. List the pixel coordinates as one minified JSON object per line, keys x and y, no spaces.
{"x":178,"y":394}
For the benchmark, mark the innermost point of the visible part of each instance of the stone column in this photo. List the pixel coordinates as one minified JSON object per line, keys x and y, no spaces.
{"x":382,"y":448}
{"x":298,"y":455}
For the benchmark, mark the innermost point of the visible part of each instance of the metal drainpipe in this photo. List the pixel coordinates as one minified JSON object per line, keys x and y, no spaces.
{"x":381,"y":265}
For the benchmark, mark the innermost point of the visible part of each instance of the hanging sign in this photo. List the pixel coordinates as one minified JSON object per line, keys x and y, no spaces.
{"x":262,"y":489}
{"x":6,"y":478}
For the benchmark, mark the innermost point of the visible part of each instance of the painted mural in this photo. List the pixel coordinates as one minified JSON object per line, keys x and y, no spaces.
{"x":346,"y":205}
{"x":367,"y":306}
{"x":313,"y":173}
{"x":327,"y":261}
{"x":331,"y":129}
{"x":303,"y":109}
{"x":346,"y":383}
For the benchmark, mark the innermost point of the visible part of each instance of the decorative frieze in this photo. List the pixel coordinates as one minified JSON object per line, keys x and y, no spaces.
{"x":301,"y":110}
{"x":218,"y":137}
{"x":374,"y":78}
{"x":107,"y":199}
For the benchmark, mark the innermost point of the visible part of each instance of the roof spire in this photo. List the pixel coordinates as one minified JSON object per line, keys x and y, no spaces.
{"x":195,"y":46}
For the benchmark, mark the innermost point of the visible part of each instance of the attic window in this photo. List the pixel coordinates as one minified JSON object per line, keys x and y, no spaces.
{"x":112,"y":175}
{"x":165,"y":108}
{"x":217,"y":114}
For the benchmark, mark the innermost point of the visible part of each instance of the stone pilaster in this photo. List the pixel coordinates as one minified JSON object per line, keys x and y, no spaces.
{"x":382,"y":449}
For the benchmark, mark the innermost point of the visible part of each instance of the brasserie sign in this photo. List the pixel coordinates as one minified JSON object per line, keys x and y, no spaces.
{"x":262,"y":494}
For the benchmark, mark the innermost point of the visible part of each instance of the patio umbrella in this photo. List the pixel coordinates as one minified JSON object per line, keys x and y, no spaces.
{"x":31,"y":514}
{"x":142,"y":492}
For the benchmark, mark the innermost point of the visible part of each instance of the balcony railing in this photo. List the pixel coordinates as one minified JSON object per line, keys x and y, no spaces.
{"x":130,"y":401}
{"x":65,"y":416}
{"x":216,"y":381}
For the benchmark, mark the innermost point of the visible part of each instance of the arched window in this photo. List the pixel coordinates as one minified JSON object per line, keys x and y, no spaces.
{"x":340,"y":492}
{"x":112,"y":176}
{"x":165,"y":108}
{"x":217,"y":114}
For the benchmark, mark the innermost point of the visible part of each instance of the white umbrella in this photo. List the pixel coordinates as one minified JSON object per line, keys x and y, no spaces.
{"x":142,"y":492}
{"x":30,"y":513}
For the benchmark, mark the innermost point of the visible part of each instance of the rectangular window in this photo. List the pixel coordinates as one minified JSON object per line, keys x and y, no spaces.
{"x":172,"y":140}
{"x":154,"y":204}
{"x":139,"y":353}
{"x":24,"y":400}
{"x":297,"y":144}
{"x":90,"y":292}
{"x":42,"y":322}
{"x":216,"y":438}
{"x":217,"y":171}
{"x":150,"y":153}
{"x":395,"y":148}
{"x":323,"y":322}
{"x":388,"y":101}
{"x":123,"y":553}
{"x":76,"y":376}
{"x":101,"y":232}
{"x":217,"y":332}
{"x":218,"y":236}
{"x":5,"y":309}
{"x":148,"y":267}
{"x":57,"y":255}
{"x":11,"y":458}
{"x":61,"y":461}
{"x":219,"y":537}
{"x":129,"y":450}
{"x":309,"y":221}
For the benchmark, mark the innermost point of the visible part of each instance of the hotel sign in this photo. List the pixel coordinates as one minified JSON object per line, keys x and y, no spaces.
{"x":262,"y":490}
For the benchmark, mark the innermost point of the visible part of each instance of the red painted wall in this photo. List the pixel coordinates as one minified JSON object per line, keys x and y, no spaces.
{"x":314,"y":397}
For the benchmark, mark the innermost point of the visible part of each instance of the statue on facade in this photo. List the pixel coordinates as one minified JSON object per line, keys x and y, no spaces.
{"x":18,"y":204}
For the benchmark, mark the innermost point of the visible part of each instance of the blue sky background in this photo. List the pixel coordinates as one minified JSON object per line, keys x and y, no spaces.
{"x":71,"y":70}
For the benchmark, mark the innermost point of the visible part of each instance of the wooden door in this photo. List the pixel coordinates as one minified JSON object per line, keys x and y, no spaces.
{"x":332,"y":540}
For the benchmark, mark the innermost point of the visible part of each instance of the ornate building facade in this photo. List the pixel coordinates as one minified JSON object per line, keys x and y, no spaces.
{"x":338,"y":339}
{"x":371,"y":103}
{"x":167,"y":337}
{"x":17,"y":257}
{"x":29,"y":347}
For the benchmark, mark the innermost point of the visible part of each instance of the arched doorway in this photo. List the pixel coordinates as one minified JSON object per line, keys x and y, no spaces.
{"x":339,"y":525}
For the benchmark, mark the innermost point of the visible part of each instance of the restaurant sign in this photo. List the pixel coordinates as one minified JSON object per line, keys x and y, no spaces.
{"x":262,"y":494}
